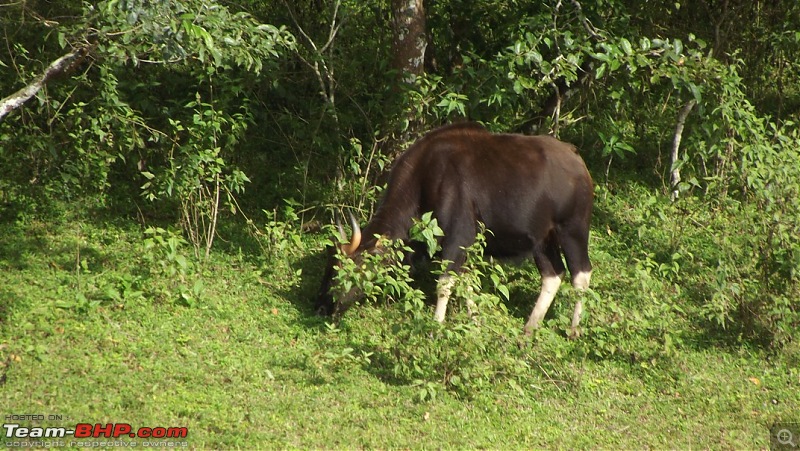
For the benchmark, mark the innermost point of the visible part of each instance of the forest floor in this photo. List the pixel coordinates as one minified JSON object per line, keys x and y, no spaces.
{"x":103,"y":323}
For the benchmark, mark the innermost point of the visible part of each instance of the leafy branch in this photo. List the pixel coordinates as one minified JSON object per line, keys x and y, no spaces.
{"x":60,"y":66}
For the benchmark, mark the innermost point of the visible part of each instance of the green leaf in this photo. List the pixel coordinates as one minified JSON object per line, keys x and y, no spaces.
{"x":601,"y":70}
{"x":695,"y":90}
{"x":534,"y":56}
{"x":626,"y":46}
{"x":678,"y":47}
{"x":504,"y":291}
{"x":516,"y":387}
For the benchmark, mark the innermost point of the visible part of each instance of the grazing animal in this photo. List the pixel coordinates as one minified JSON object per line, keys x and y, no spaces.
{"x":533,"y":193}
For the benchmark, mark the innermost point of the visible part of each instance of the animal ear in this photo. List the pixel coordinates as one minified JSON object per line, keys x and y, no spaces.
{"x":355,"y":240}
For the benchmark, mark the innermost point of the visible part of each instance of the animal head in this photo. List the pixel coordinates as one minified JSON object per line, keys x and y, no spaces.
{"x":331,"y":298}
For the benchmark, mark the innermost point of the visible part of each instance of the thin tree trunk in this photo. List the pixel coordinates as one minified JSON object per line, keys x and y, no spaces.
{"x":676,"y":145}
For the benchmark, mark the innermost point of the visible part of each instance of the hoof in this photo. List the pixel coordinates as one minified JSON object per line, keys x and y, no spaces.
{"x":528,"y":330}
{"x":574,"y":333}
{"x":530,"y":326}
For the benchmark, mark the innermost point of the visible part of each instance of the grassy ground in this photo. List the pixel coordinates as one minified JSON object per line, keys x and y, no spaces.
{"x":97,"y":327}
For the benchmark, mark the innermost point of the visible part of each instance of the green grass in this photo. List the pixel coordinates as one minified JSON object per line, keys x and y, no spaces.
{"x":93,"y":330}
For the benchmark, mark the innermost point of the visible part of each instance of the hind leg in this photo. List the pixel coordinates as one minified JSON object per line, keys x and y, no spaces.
{"x":575,"y":244}
{"x":548,"y":260}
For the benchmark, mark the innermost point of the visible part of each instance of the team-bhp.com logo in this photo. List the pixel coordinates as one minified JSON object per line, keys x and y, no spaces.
{"x":17,"y":435}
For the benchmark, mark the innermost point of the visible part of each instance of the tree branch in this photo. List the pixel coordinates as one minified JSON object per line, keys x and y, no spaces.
{"x":57,"y":67}
{"x":325,"y":76}
{"x":586,"y":24}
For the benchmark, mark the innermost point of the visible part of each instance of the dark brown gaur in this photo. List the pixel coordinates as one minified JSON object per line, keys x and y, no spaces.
{"x":533,"y":193}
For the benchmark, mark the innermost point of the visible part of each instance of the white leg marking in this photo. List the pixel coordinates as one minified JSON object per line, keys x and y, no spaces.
{"x":443,"y":288}
{"x":581,"y":280}
{"x":581,"y":283}
{"x":550,"y":285}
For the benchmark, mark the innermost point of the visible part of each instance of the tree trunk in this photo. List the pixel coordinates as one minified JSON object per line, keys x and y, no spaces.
{"x":408,"y":60}
{"x":408,"y":27}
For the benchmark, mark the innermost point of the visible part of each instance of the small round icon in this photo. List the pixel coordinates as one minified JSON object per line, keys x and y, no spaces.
{"x":785,"y":437}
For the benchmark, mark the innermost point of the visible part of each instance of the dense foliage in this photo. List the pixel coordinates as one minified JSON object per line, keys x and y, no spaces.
{"x":190,"y":112}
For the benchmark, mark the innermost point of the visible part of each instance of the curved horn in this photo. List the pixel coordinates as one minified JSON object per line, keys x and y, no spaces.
{"x":340,"y":229}
{"x":356,"y":239}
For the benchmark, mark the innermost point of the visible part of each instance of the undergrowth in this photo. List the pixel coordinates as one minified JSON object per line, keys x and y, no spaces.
{"x":90,"y":305}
